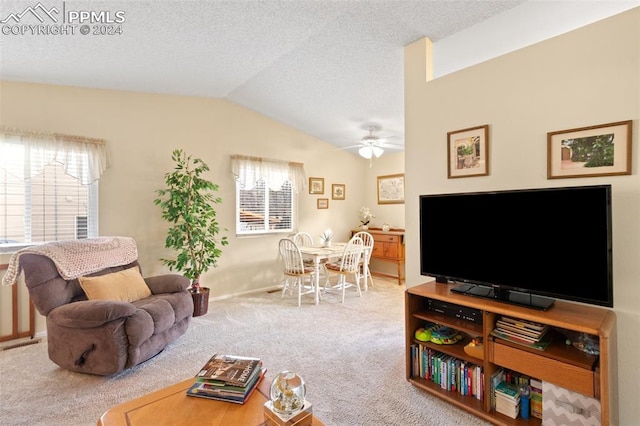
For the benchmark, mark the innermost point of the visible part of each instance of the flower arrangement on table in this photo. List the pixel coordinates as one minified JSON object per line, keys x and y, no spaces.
{"x":366,"y":216}
{"x":326,"y":237}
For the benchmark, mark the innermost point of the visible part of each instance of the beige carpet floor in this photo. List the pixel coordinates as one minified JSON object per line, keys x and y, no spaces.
{"x":351,"y":356}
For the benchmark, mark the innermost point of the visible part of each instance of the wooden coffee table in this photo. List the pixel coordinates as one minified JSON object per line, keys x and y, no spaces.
{"x":172,"y":406}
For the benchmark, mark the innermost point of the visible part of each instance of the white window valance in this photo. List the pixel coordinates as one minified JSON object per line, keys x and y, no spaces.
{"x":83,"y":158}
{"x":249,"y":170}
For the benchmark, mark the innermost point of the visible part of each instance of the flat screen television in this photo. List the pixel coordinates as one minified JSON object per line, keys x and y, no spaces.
{"x":526,"y":246}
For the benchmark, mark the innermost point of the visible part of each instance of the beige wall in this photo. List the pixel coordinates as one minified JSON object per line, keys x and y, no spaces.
{"x":141,"y":131}
{"x":585,"y":77}
{"x":391,"y":214}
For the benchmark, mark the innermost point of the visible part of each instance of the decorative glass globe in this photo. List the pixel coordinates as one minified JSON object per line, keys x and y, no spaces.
{"x":288,"y":393}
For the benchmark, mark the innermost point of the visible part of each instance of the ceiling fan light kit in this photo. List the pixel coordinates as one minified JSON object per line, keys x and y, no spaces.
{"x":372,"y":146}
{"x":369,"y":151}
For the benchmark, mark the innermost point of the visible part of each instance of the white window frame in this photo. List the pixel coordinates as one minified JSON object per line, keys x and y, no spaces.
{"x":265,"y":228}
{"x":69,"y":151}
{"x":274,"y":175}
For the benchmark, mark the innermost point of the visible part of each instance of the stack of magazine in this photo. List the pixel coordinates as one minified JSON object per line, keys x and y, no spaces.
{"x":228,"y":378}
{"x":527,"y":333}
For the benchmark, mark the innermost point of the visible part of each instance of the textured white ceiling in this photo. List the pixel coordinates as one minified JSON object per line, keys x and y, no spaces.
{"x":326,"y":67}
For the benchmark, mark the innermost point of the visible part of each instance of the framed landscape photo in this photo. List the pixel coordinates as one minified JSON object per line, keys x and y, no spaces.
{"x":602,"y":150}
{"x":316,"y":185}
{"x":323,"y":203}
{"x":468,"y":152}
{"x":391,"y":189}
{"x":338,"y":191}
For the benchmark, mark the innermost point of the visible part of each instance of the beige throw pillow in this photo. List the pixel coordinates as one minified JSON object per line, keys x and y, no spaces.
{"x":126,"y":286}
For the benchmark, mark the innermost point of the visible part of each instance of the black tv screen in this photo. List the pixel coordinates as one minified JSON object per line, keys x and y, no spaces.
{"x":518,"y":245}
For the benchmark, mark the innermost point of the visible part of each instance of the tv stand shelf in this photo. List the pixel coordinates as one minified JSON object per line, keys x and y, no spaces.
{"x":560,"y":364}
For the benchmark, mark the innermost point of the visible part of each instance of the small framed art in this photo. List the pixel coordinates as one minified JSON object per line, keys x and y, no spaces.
{"x":316,"y":185}
{"x":468,"y":152}
{"x":602,"y":150}
{"x":391,"y":189}
{"x":338,"y":191}
{"x":323,"y":203}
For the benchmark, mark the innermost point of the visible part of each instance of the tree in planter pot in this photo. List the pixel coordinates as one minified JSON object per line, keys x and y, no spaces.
{"x":187,"y":203}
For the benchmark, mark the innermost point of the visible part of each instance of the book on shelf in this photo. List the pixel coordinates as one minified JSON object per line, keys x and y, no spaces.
{"x":230,"y":370}
{"x":540,"y":345}
{"x":536,"y":398}
{"x":524,"y":332}
{"x":517,"y":336}
{"x":501,"y":401}
{"x":450,"y":373}
{"x":497,"y":377}
{"x":208,"y":391}
{"x":507,"y":399}
{"x":507,"y":391}
{"x":524,"y":324}
{"x":508,"y":410}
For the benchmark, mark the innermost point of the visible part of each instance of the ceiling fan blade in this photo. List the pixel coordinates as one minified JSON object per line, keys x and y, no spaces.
{"x":390,"y":145}
{"x":351,"y":147}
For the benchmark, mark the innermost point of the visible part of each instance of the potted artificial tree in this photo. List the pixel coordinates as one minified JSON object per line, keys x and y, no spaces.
{"x":187,"y":203}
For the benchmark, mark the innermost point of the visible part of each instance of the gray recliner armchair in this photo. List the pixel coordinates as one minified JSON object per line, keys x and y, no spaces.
{"x":104,"y":337}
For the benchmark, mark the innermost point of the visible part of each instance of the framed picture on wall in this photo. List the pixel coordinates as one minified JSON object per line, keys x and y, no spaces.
{"x":323,"y":203}
{"x":391,"y":189}
{"x":468,"y":152}
{"x":602,"y":150}
{"x":316,"y":185}
{"x":338,"y":191}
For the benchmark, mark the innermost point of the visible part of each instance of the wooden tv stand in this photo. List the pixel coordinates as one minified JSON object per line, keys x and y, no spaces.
{"x":560,"y":364}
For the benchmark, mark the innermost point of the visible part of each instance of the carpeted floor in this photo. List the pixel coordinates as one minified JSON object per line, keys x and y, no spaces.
{"x":351,"y":356}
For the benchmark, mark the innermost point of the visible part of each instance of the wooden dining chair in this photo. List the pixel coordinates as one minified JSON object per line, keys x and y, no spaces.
{"x":365,"y":270}
{"x":348,"y":264}
{"x":298,"y":276}
{"x":303,"y":239}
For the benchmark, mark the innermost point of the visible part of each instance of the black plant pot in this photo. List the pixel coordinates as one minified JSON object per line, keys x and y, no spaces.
{"x":200,"y":301}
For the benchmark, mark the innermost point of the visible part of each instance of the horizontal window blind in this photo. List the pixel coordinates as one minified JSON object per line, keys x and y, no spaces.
{"x":265,"y":194}
{"x":261,"y":209}
{"x":40,"y":200}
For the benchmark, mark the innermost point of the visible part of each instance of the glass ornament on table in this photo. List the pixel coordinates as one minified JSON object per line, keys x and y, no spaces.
{"x":288,"y":393}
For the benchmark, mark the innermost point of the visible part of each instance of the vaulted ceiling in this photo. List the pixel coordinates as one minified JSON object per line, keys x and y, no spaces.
{"x":329,"y":68}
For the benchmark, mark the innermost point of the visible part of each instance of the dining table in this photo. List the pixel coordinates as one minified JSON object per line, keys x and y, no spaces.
{"x":319,"y":254}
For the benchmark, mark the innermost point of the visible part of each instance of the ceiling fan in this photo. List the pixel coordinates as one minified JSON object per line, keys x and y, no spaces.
{"x":372,"y":145}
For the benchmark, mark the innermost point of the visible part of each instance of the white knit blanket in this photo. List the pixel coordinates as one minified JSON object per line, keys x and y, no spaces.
{"x":74,"y":258}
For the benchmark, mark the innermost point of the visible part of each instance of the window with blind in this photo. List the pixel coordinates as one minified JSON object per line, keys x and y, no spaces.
{"x":266,"y":194}
{"x":261,"y":209}
{"x":42,"y":194}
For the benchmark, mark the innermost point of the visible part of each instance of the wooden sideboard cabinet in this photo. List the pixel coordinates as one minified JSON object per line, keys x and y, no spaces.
{"x":389,"y":247}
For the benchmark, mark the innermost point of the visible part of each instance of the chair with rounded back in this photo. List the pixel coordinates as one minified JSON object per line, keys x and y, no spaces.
{"x":303,"y":239}
{"x":368,"y":241}
{"x":348,"y":264}
{"x":296,"y":273}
